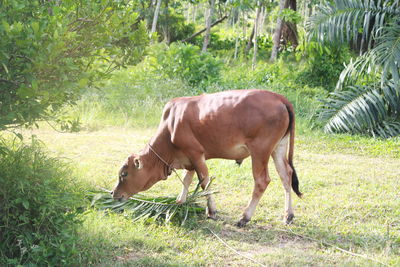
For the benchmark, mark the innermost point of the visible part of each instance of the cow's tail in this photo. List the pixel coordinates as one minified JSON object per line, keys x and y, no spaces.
{"x":295,"y":180}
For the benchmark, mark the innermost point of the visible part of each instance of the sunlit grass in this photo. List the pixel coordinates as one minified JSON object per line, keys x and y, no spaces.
{"x":351,"y":198}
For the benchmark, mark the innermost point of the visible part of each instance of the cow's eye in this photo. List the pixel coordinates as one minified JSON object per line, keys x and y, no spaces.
{"x":124,"y":174}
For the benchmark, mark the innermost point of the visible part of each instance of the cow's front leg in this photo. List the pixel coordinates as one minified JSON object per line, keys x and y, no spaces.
{"x":202,"y":173}
{"x":187,"y":180}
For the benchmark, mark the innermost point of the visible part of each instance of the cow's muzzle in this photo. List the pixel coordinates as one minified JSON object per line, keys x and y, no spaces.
{"x":119,"y":197}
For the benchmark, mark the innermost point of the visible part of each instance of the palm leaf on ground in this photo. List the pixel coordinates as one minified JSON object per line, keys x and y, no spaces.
{"x":159,"y":208}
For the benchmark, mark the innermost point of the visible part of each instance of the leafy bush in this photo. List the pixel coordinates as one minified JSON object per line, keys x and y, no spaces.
{"x":216,"y":42}
{"x":51,"y":50}
{"x":172,"y":27}
{"x":186,"y":62}
{"x":323,"y":66}
{"x":133,"y":97}
{"x":37,"y":207}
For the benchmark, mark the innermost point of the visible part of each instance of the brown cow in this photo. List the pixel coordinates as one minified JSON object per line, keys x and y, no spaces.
{"x":229,"y":125}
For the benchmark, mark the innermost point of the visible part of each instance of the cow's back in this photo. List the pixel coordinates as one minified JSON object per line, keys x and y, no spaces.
{"x":223,"y":123}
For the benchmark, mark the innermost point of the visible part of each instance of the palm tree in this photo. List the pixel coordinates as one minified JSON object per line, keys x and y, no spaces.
{"x":367,"y":96}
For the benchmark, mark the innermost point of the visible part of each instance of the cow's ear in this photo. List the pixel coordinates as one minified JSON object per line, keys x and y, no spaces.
{"x":138,"y":164}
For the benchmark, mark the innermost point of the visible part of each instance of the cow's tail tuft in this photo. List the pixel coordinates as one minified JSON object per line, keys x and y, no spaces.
{"x":295,"y":180}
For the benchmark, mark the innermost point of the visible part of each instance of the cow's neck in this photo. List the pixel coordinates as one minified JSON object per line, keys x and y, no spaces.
{"x":161,"y":145}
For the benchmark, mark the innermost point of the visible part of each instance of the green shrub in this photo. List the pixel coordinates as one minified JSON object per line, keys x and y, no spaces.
{"x":216,"y":42}
{"x":172,"y":27}
{"x":186,"y":62}
{"x":323,"y":66}
{"x":133,"y":97}
{"x":38,"y":201}
{"x":50,"y":51}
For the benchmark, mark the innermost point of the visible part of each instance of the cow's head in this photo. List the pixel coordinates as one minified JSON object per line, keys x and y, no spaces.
{"x":134,"y":177}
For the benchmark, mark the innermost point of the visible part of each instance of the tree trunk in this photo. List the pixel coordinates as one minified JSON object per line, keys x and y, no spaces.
{"x":289,"y":30}
{"x":204,"y":29}
{"x":167,"y":35}
{"x":256,"y":26}
{"x":236,"y":26}
{"x":250,"y":42}
{"x":189,"y":8}
{"x":155,"y":18}
{"x":278,"y":31}
{"x":194,"y":13}
{"x":236,"y":40}
{"x":262,"y":20}
{"x":208,"y":27}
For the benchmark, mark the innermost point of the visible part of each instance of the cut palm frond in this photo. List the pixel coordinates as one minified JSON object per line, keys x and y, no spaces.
{"x":159,"y":208}
{"x":363,"y":110}
{"x":345,"y":20}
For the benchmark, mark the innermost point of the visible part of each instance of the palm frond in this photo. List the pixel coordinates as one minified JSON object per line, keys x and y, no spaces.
{"x":343,"y":20}
{"x":159,"y":208}
{"x":363,"y":110}
{"x":383,"y":59}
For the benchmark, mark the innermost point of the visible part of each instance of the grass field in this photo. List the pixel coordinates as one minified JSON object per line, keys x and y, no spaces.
{"x":350,"y":213}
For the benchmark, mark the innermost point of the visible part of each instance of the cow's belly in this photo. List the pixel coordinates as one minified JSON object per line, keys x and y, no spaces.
{"x":236,"y":151}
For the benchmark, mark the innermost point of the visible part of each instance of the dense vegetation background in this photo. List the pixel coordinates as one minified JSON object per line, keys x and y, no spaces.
{"x":89,"y":65}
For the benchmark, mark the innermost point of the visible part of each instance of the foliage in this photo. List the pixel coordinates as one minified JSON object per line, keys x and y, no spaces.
{"x":373,"y":111}
{"x":363,"y":110}
{"x":133,"y":97}
{"x":171,"y":26}
{"x":324,"y":64}
{"x":346,"y":20}
{"x":222,"y":46}
{"x":157,"y":208}
{"x":383,"y":59}
{"x":186,"y":62}
{"x":38,"y":200}
{"x":51,"y":50}
{"x":216,"y":42}
{"x":290,"y":15}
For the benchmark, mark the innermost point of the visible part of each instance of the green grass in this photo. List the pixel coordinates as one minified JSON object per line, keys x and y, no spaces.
{"x":351,"y":198}
{"x":350,"y":183}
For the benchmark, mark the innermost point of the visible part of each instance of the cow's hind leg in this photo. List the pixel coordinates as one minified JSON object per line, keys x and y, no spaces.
{"x":285,"y":172}
{"x":187,"y":180}
{"x":261,"y":181}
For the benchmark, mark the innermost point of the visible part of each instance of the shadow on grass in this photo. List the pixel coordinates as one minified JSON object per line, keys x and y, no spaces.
{"x":357,"y":247}
{"x":149,"y":261}
{"x":131,"y":244}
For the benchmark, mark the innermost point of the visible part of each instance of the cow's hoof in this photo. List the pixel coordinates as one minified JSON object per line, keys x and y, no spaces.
{"x":289,"y":219}
{"x":180,"y":199}
{"x":212,"y":215}
{"x":242,"y":223}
